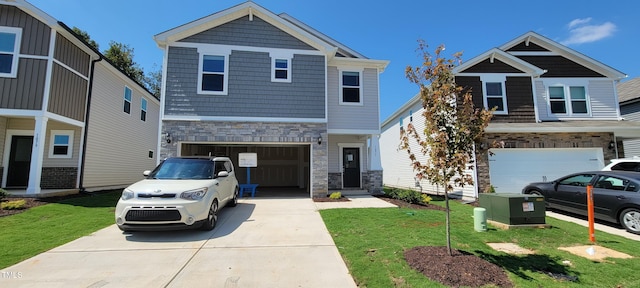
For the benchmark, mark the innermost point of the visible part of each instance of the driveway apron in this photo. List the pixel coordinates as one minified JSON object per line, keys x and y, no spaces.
{"x":260,"y":243}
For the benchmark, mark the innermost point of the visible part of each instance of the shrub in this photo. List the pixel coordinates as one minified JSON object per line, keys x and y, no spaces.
{"x":426,"y":199}
{"x":13,"y":205}
{"x":409,"y":196}
{"x":335,"y":195}
{"x":490,"y":189}
{"x":3,"y":193}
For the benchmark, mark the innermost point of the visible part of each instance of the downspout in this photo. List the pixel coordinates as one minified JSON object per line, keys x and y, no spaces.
{"x":86,"y":122}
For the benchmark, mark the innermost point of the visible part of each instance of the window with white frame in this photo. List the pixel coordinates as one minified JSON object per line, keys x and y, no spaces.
{"x":10,"y":38}
{"x":61,"y":144}
{"x":568,"y":99}
{"x":494,"y":93}
{"x":127,"y":100}
{"x":350,"y":87}
{"x":143,"y":109}
{"x":213,"y":74}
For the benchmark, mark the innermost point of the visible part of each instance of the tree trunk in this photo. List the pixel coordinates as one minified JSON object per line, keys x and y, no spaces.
{"x":447,"y":222}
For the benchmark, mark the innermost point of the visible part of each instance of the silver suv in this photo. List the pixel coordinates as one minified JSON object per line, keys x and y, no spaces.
{"x":181,"y":193}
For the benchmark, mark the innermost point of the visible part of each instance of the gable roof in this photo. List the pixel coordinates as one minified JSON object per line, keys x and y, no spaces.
{"x":629,"y":90}
{"x":540,"y":45}
{"x":247,"y":8}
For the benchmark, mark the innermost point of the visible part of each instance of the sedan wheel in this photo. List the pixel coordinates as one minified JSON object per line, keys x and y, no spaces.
{"x":212,"y":218}
{"x":234,"y":201}
{"x":630,"y":220}
{"x":538,"y":193}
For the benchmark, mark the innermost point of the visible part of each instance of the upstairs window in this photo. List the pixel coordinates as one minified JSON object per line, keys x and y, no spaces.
{"x":127,"y":100}
{"x":143,"y":110}
{"x":9,"y":50}
{"x":494,"y":95}
{"x":350,"y":87}
{"x":281,"y":70}
{"x":61,"y":144}
{"x":213,"y":74}
{"x":569,"y":100}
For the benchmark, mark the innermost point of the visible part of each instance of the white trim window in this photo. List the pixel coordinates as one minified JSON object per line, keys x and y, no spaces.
{"x":281,"y":68}
{"x":568,"y":99}
{"x":61,"y":144}
{"x":143,"y":109}
{"x":494,"y":94}
{"x":350,"y":87}
{"x":10,"y":38}
{"x":213,"y":74}
{"x":127,"y":100}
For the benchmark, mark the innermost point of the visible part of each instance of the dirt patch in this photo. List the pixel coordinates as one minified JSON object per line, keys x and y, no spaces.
{"x":595,"y":252}
{"x":460,"y":270}
{"x":510,"y":248}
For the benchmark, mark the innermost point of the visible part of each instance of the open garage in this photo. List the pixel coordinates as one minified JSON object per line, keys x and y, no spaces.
{"x":283,"y":169}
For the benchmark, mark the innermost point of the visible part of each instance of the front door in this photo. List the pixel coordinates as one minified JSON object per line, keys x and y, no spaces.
{"x":351,"y":164}
{"x":19,"y":161}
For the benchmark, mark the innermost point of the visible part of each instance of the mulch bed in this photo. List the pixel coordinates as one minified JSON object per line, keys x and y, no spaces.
{"x":29,"y":203}
{"x":461,"y":269}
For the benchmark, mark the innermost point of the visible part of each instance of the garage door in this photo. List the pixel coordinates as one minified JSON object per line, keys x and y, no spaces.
{"x":512,"y":169}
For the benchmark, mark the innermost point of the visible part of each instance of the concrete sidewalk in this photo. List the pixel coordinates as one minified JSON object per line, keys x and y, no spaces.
{"x":260,"y":243}
{"x":609,"y":228}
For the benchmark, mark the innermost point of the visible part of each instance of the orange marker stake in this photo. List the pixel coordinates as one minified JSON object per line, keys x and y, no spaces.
{"x":592,"y":236}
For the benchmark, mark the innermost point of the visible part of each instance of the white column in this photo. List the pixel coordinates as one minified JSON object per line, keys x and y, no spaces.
{"x":37,"y":155}
{"x":375,"y":163}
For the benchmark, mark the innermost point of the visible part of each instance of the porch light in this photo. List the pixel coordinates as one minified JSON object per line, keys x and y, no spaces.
{"x":168,"y":137}
{"x":612,"y":145}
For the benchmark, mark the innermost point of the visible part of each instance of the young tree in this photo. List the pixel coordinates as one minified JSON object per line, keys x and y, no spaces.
{"x":452,"y":125}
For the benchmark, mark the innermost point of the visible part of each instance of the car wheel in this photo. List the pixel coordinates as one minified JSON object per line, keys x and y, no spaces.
{"x":234,"y":201}
{"x":538,"y":193}
{"x":630,"y":220}
{"x":212,"y":217}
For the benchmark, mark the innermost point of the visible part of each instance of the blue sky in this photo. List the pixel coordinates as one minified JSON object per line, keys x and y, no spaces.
{"x":608,"y":32}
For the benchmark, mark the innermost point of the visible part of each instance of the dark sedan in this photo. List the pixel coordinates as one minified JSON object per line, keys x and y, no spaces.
{"x":616,"y":196}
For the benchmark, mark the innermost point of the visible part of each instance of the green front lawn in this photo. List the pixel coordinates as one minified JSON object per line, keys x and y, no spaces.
{"x":45,"y":227}
{"x":372,"y":242}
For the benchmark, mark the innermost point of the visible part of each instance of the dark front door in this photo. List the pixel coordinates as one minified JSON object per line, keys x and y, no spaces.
{"x":351,"y":164}
{"x":19,"y":161}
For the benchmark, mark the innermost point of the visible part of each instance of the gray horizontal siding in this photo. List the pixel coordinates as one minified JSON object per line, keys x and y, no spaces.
{"x":250,"y":92}
{"x":364,"y":116}
{"x":631,"y":112}
{"x":242,"y":32}
{"x":603,"y":99}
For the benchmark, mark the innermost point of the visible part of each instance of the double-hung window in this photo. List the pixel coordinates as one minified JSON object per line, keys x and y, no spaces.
{"x":567,"y":99}
{"x":10,"y":38}
{"x":281,"y":66}
{"x":350,"y":87}
{"x":494,"y":94}
{"x":143,"y":109}
{"x":61,"y":144}
{"x":127,"y":100}
{"x":213,"y":74}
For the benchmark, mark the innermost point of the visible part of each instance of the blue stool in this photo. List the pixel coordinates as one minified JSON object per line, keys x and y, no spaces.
{"x":248,"y":188}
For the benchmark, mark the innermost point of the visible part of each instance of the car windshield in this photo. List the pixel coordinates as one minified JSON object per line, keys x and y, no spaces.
{"x":184,"y":169}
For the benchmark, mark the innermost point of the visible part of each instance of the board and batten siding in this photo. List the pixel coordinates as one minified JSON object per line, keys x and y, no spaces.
{"x":68,"y":95}
{"x":397,"y":167}
{"x":251,"y":93}
{"x":359,"y":117}
{"x":118,"y":143}
{"x":35,"y":34}
{"x":631,"y":112}
{"x":601,"y":95}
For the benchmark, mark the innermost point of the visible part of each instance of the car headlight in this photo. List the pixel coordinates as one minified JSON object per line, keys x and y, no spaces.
{"x":126,"y":194}
{"x":194,"y":194}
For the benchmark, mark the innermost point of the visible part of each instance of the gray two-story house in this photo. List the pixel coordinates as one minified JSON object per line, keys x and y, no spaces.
{"x":556,"y":113}
{"x":69,"y":120}
{"x":245,"y":80}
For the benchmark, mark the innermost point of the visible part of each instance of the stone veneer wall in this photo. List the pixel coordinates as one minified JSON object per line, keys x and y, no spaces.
{"x":335,"y":181}
{"x":254,"y":132}
{"x":59,"y":177}
{"x":372,"y":181}
{"x":541,"y":141}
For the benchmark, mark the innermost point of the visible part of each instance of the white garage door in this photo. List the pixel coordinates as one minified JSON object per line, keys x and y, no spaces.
{"x":512,"y":169}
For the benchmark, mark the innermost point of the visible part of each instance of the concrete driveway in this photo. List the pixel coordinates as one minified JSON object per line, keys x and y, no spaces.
{"x":260,"y":243}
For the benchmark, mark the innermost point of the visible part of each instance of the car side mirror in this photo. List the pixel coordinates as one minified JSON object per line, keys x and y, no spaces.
{"x":146,"y":173}
{"x":222,"y":174}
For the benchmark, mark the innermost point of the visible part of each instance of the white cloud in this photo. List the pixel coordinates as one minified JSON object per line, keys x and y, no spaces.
{"x":582,"y":32}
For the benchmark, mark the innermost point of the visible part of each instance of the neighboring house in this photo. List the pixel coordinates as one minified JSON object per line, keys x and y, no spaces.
{"x":69,"y":120}
{"x":247,"y":80}
{"x":557,"y":112}
{"x":629,"y":98}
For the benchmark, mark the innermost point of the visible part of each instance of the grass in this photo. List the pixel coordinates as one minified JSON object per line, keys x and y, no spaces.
{"x":372,"y":242}
{"x":45,"y":227}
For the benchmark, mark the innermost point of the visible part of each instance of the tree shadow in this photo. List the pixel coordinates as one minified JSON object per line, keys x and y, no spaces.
{"x":519,"y":264}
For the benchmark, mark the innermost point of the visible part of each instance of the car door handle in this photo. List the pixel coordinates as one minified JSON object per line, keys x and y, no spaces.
{"x":217,"y":184}
{"x":620,"y":197}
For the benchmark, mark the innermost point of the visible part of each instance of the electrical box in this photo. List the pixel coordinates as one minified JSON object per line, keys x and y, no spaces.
{"x":513,"y":209}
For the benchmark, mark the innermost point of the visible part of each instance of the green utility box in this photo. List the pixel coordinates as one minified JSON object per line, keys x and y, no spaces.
{"x":513,"y":209}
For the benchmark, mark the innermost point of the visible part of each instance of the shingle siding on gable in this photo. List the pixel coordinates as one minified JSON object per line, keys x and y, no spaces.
{"x":487,"y":67}
{"x":242,"y":32}
{"x":251,"y":92}
{"x":523,"y":47}
{"x":519,"y":98}
{"x":559,"y":67}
